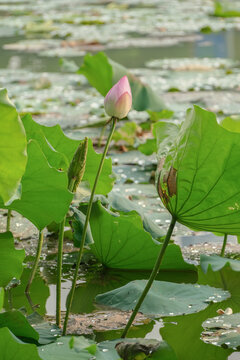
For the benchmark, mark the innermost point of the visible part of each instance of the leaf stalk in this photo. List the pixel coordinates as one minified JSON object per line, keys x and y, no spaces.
{"x":71,"y":294}
{"x":152,"y":277}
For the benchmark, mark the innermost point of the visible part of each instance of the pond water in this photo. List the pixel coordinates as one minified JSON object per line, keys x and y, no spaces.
{"x":172,"y":62}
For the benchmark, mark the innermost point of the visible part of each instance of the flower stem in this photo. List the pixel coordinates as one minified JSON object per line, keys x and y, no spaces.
{"x":224,"y":245}
{"x":8,"y":220}
{"x":36,"y":261}
{"x":114,"y":121}
{"x":152,"y":277}
{"x":59,"y":264}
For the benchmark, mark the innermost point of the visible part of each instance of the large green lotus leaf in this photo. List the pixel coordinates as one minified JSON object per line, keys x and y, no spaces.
{"x":13,"y":349}
{"x":47,"y":332}
{"x":98,"y":71}
{"x":13,"y":148}
{"x":67,"y":348}
{"x":16,"y":322}
{"x":35,"y":131}
{"x":45,"y":195}
{"x":109,"y":279}
{"x":164,"y":298}
{"x":183,"y":332}
{"x":164,"y":133}
{"x":121,"y":203}
{"x":39,"y":293}
{"x":82,"y":348}
{"x":67,"y":146}
{"x":11,"y":259}
{"x":231,"y":123}
{"x":133,"y":349}
{"x":59,"y":150}
{"x":106,"y":179}
{"x":102,"y":73}
{"x":223,"y":331}
{"x":121,"y":242}
{"x":216,"y":263}
{"x":198,"y":179}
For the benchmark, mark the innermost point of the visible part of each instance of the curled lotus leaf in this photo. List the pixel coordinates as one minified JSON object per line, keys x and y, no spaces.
{"x":198,"y":175}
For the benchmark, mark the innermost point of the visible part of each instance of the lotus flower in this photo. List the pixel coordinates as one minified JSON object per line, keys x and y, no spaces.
{"x":118,"y":100}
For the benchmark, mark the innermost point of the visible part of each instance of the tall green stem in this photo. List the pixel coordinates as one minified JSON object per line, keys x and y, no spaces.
{"x":36,"y":261}
{"x":114,"y":121}
{"x":152,"y":277}
{"x":224,"y":245}
{"x":59,"y":271}
{"x":8,"y":220}
{"x":59,"y":264}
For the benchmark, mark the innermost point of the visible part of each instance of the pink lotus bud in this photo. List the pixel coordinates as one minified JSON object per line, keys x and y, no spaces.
{"x":118,"y":100}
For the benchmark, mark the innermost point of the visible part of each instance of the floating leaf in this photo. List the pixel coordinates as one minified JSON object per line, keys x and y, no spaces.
{"x":183,"y":333}
{"x":45,"y":196}
{"x":109,"y":279}
{"x":137,"y":348}
{"x":11,"y":259}
{"x":164,"y":298}
{"x":120,"y":242}
{"x":47,"y":333}
{"x":66,"y":348}
{"x":217,"y":263}
{"x":13,"y":148}
{"x":222,"y":331}
{"x":102,"y":73}
{"x":202,"y":150}
{"x":12,"y":348}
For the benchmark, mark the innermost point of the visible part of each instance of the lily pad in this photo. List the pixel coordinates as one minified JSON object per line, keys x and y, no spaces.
{"x":11,"y":264}
{"x":66,"y":348}
{"x":216,"y":263}
{"x":120,"y":242}
{"x":13,"y":148}
{"x":164,"y":298}
{"x":47,"y":333}
{"x":132,"y":349}
{"x":202,"y":149}
{"x":223,"y":331}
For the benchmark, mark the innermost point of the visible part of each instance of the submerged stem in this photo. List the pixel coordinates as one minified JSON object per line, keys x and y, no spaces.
{"x":152,"y":277}
{"x":59,"y":263}
{"x":8,"y":220}
{"x":59,"y":271}
{"x":114,"y":121}
{"x":224,"y":245}
{"x":36,"y":261}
